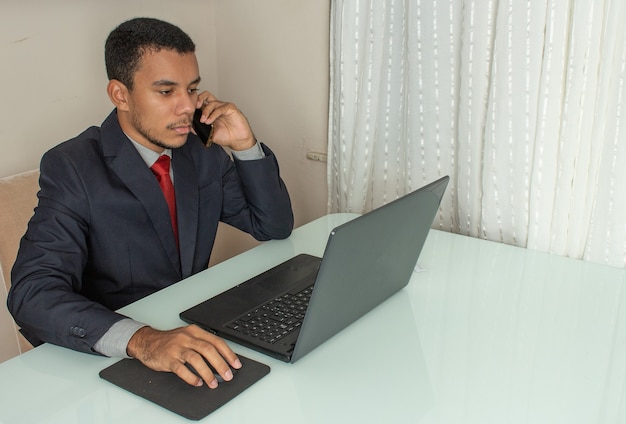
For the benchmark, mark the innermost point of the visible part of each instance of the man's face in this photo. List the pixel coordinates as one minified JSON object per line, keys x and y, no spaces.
{"x":163,"y":99}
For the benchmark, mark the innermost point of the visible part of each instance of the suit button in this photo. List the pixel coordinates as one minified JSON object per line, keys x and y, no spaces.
{"x":78,"y":332}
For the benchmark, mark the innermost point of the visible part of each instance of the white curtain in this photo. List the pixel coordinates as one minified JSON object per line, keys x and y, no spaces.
{"x":522,"y":103}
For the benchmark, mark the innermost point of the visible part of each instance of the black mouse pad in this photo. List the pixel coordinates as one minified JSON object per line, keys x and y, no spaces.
{"x":170,"y":392}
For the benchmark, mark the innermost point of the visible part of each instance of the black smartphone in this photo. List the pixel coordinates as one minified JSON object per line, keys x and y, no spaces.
{"x":203,"y":130}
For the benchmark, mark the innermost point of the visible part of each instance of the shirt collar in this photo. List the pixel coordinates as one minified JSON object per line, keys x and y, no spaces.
{"x":149,"y":156}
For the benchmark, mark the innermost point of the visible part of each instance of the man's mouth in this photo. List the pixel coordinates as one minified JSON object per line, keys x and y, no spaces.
{"x":180,"y":128}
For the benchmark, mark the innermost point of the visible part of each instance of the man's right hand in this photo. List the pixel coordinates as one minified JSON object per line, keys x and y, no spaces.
{"x":170,"y":350}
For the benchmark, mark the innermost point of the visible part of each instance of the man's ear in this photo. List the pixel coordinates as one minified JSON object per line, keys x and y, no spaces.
{"x":119,"y":94}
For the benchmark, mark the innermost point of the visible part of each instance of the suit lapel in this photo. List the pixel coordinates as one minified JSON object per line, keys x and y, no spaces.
{"x":127,"y":164}
{"x":186,"y":188}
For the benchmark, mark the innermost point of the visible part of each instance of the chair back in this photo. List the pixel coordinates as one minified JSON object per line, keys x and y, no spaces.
{"x":18,"y":198}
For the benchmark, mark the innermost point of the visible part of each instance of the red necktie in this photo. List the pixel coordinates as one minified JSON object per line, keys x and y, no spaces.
{"x":161,"y":169}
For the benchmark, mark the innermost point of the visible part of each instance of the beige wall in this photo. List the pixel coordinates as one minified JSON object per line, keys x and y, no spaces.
{"x":52,"y":67}
{"x":270,"y":57}
{"x":272,"y":61}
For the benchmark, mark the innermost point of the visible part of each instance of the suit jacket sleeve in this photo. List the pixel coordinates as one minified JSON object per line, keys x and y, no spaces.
{"x":265,"y":208}
{"x":47,"y":276}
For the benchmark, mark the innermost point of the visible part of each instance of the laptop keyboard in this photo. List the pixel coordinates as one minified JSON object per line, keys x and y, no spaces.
{"x":275,"y":319}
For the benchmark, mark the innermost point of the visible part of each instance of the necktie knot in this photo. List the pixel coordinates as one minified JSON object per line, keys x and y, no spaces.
{"x":162,"y":166}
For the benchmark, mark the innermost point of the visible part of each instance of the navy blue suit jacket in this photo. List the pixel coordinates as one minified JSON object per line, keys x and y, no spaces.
{"x":101,"y":236}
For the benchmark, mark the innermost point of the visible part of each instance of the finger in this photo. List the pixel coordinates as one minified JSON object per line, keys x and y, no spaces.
{"x":216,"y":110}
{"x":225,"y":352}
{"x":215,"y":350}
{"x":201,"y":370}
{"x":218,"y":364}
{"x":187,"y":375}
{"x":212,"y":110}
{"x":204,"y":98}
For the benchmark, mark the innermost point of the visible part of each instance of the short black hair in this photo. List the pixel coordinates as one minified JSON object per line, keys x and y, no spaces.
{"x":126,"y":45}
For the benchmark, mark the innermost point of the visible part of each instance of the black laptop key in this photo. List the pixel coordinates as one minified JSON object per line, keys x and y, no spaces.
{"x":275,"y":319}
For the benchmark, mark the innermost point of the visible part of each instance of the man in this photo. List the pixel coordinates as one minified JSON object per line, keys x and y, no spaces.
{"x":104,"y":235}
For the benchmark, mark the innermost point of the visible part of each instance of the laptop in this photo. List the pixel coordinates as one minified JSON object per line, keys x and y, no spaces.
{"x":292,"y":308}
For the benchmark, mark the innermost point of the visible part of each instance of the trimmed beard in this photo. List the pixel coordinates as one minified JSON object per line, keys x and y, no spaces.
{"x":137,"y":123}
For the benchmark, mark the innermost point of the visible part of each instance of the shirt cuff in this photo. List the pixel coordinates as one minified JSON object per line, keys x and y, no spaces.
{"x":115,"y":341}
{"x":253,"y":153}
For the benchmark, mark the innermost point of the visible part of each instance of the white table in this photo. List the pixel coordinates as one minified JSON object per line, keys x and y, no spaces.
{"x":487,"y":333}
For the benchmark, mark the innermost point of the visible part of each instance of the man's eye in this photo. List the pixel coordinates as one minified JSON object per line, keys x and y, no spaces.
{"x":165,"y":92}
{"x":193,"y":91}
